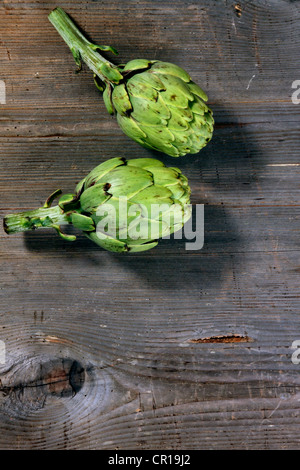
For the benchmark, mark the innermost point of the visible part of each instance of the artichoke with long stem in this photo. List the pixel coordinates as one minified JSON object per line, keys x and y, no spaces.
{"x":122,"y":205}
{"x":157,"y":103}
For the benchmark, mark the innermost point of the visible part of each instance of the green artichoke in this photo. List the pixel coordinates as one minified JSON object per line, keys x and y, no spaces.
{"x":122,"y":205}
{"x":157,"y":103}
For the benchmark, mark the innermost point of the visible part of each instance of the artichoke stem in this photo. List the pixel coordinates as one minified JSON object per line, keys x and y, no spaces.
{"x":31,"y":220}
{"x":82,"y":49}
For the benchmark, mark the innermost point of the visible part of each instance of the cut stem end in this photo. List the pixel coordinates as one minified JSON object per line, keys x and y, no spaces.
{"x":31,"y":220}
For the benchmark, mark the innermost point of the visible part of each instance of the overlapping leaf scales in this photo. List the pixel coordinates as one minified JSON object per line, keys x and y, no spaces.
{"x":167,"y":68}
{"x":198,"y":106}
{"x":164,"y":176}
{"x":127,"y":181}
{"x":137,"y":64}
{"x":152,"y":196}
{"x":141,"y":86}
{"x":176,"y":93}
{"x":154,"y":114}
{"x":146,"y":163}
{"x":131,"y":128}
{"x":93,"y":197}
{"x":99,"y":171}
{"x":196,"y":90}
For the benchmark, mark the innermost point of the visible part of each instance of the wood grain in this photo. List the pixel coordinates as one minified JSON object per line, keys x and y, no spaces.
{"x":105,"y":351}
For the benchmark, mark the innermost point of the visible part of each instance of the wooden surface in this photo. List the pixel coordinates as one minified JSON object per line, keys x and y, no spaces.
{"x":167,"y":349}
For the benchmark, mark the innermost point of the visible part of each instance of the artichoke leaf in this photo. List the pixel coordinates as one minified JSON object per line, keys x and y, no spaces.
{"x":170,"y":69}
{"x":146,"y":163}
{"x":93,"y":197}
{"x":82,"y":222}
{"x":149,"y":113}
{"x":141,"y":247}
{"x":107,"y":242}
{"x":147,"y":79}
{"x":131,"y":128}
{"x":198,"y":106}
{"x":163,"y":177}
{"x":111,"y":49}
{"x":141,"y":90}
{"x":196,"y":90}
{"x":127,"y":180}
{"x":108,"y":99}
{"x":177,"y":122}
{"x":120,"y":100}
{"x":137,"y":64}
{"x":152,"y":197}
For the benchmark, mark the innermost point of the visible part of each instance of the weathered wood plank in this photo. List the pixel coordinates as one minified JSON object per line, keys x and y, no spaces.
{"x":206,"y":38}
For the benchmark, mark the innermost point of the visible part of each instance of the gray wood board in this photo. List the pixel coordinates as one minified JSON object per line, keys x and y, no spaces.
{"x":167,"y":349}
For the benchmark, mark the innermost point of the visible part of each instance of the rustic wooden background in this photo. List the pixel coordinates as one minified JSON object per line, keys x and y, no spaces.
{"x":168,"y":349}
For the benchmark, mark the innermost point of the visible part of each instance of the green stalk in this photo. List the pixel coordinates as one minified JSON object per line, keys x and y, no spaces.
{"x":82,"y":49}
{"x":44,"y":217}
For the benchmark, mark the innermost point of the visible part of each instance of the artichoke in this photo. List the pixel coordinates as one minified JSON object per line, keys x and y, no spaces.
{"x":157,"y":104}
{"x":122,"y":205}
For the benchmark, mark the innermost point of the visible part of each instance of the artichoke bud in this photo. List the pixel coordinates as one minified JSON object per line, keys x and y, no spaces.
{"x":169,"y":113}
{"x":122,"y":205}
{"x":157,"y":104}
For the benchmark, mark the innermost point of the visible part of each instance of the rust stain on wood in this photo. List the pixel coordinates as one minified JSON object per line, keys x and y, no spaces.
{"x":232,"y":338}
{"x":238,"y":10}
